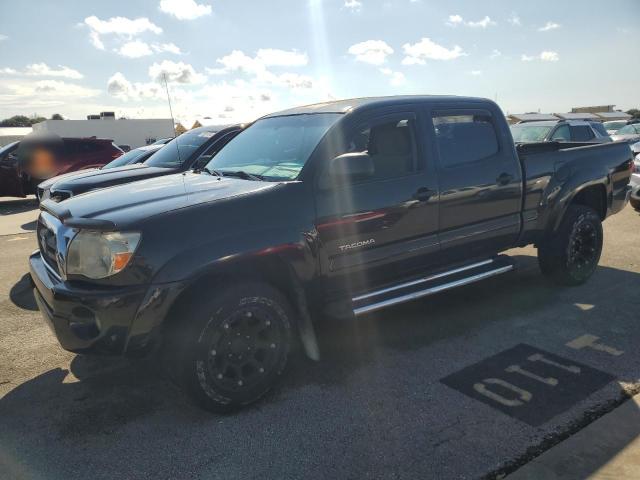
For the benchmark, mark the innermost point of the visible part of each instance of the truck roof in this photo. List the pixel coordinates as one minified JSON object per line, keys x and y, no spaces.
{"x":352,"y":104}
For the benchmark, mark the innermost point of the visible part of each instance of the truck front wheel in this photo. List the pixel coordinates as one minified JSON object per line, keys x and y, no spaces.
{"x":236,"y":347}
{"x":571,"y":255}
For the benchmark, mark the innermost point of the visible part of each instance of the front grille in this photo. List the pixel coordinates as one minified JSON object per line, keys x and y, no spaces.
{"x":48,"y":245}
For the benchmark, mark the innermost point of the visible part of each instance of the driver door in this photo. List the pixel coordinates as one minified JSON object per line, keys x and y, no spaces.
{"x":384,"y":226}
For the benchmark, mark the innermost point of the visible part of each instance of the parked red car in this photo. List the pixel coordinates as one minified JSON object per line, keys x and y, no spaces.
{"x":23,"y":165}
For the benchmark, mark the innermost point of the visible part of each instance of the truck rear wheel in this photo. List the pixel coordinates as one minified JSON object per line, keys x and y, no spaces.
{"x":237,"y":346}
{"x":571,"y":256}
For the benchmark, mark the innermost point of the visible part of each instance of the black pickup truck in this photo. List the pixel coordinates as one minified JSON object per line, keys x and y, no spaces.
{"x":342,"y":207}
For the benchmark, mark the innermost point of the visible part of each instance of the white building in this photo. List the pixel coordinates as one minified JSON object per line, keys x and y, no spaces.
{"x":12,"y":134}
{"x":132,"y":132}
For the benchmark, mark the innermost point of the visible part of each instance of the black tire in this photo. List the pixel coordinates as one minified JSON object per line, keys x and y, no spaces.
{"x":571,"y":255}
{"x":235,"y":347}
{"x":635,"y":204}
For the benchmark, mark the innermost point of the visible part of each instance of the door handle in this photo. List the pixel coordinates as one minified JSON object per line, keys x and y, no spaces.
{"x":423,"y":194}
{"x":504,"y":178}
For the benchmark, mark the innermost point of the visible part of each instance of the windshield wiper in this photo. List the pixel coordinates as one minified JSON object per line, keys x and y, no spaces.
{"x":210,"y":171}
{"x":244,"y":175}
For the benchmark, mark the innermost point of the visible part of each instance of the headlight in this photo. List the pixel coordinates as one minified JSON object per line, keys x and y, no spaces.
{"x":100,"y":254}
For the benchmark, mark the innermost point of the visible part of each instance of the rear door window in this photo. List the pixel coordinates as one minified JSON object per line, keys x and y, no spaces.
{"x":581,"y":133}
{"x":465,"y":138}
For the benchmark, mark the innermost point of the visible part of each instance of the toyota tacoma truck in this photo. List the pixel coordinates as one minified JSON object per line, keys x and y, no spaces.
{"x":339,"y":208}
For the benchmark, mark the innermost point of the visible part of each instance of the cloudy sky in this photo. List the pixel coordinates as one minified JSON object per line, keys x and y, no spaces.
{"x":234,"y":60}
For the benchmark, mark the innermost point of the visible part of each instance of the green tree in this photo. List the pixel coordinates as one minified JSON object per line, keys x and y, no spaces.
{"x":57,"y":116}
{"x":634,"y":112}
{"x":21,"y":121}
{"x":16,"y":121}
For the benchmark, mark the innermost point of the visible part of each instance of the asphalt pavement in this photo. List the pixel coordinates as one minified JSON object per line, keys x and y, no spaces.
{"x":472,"y":383}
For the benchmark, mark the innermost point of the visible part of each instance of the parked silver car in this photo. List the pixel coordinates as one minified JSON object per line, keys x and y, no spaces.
{"x":630,"y":133}
{"x":559,"y":131}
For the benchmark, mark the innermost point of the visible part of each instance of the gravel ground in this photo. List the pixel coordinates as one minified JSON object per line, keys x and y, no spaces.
{"x":374,"y":407}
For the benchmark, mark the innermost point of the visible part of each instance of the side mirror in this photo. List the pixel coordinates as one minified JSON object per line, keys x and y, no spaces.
{"x":351,"y":166}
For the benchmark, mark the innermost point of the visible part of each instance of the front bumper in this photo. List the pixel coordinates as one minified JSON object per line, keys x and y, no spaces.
{"x":99,"y":319}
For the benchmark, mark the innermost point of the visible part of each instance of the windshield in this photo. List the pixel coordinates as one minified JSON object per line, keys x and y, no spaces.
{"x":274,"y":148}
{"x":8,"y":148}
{"x":627,"y":130}
{"x":614,"y":125}
{"x":132,"y":156}
{"x":175,"y":153}
{"x":523,"y":133}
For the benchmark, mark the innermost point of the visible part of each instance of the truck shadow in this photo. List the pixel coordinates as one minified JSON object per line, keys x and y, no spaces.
{"x":104,"y":395}
{"x":18,"y":205}
{"x":21,"y":294}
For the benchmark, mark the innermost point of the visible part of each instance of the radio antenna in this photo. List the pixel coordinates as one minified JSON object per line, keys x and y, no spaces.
{"x":166,"y":87}
{"x":173,"y":122}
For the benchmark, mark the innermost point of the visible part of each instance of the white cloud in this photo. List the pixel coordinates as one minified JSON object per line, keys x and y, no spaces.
{"x":175,"y":72}
{"x":122,"y":26}
{"x":96,"y":41}
{"x":549,"y":56}
{"x":184,"y":9}
{"x":374,"y":52}
{"x":546,"y":56}
{"x":138,"y":48}
{"x":63,"y":89}
{"x":44,"y":70}
{"x":455,"y":20}
{"x":426,"y":49}
{"x":119,"y":87}
{"x":281,"y":58}
{"x":549,"y":26}
{"x":135,"y":49}
{"x":118,"y":26}
{"x":35,"y":91}
{"x":3,"y":37}
{"x":353,"y":5}
{"x":256,"y":67}
{"x":166,"y":47}
{"x":294,"y":81}
{"x":495,"y":53}
{"x":237,"y":60}
{"x":484,"y":23}
{"x":476,"y":73}
{"x":396,"y":78}
{"x":514,"y":19}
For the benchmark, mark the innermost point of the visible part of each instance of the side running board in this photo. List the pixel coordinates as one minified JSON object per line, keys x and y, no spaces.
{"x":421,"y":287}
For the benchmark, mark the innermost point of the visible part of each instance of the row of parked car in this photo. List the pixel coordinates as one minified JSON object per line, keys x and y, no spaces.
{"x":227,"y":244}
{"x":586,"y":131}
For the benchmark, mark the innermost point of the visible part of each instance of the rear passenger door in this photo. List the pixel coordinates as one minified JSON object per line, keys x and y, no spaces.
{"x":480,"y":184}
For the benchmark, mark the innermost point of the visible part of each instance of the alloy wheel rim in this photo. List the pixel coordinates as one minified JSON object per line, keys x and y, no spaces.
{"x":583,"y":246}
{"x":244,"y":349}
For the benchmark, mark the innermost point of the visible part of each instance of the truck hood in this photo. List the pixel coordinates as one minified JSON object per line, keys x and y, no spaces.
{"x":106,"y":178}
{"x":128,"y":204}
{"x":65,"y":176}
